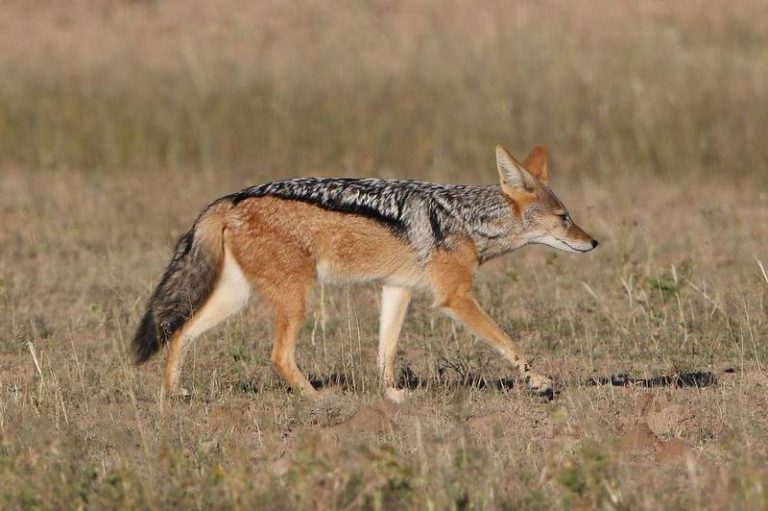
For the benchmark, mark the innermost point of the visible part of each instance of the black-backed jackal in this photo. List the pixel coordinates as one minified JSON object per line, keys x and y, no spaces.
{"x":279,"y":238}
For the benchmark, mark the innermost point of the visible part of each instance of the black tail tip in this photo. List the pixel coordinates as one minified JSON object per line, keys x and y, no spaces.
{"x":146,"y":342}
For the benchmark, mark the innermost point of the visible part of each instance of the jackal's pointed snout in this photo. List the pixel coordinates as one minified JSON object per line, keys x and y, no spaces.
{"x":584,"y":246}
{"x":578,"y":240}
{"x":589,"y":246}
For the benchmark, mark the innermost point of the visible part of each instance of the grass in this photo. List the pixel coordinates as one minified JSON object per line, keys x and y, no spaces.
{"x":118,"y":122}
{"x":411,"y":88}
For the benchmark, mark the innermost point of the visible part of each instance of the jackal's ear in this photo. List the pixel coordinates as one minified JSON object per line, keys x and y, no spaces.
{"x":514,"y":178}
{"x":536,"y":163}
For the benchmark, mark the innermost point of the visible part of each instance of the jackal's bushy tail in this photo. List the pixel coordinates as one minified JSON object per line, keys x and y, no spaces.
{"x":186,"y":283}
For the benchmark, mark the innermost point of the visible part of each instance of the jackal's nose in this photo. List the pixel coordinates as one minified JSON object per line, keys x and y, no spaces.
{"x":594,"y":243}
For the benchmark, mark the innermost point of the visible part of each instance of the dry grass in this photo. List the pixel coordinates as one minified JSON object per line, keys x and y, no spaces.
{"x":118,"y":121}
{"x":396,"y":87}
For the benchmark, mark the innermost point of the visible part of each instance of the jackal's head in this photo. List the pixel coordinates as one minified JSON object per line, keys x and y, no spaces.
{"x":544,"y":218}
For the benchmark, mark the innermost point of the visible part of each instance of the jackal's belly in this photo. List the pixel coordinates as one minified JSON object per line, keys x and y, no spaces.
{"x":393,"y":271}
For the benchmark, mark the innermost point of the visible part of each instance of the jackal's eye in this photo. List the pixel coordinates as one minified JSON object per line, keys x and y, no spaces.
{"x":564,"y":217}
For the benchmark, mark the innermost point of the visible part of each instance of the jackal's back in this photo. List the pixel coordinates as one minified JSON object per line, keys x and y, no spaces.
{"x":427,"y":215}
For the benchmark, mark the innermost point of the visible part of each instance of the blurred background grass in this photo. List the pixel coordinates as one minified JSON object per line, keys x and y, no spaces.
{"x":416,"y":89}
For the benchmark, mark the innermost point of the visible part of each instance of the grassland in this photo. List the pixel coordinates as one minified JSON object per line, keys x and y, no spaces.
{"x":120,"y":120}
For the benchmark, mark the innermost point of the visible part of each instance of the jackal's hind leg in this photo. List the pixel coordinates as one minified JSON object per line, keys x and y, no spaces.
{"x":394,"y":303}
{"x":287,"y":317}
{"x":230,"y":295}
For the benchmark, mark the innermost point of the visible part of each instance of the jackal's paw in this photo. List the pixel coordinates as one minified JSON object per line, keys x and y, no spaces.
{"x":539,"y":384}
{"x":396,"y":395}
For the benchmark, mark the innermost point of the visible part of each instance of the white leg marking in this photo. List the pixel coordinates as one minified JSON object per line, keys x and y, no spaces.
{"x":231,"y":294}
{"x":394,"y":303}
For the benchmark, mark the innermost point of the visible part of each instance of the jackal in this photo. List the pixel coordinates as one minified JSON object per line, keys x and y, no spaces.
{"x":279,"y":238}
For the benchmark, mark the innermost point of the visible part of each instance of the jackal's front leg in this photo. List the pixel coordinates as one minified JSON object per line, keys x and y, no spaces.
{"x":394,"y":303}
{"x":464,"y":308}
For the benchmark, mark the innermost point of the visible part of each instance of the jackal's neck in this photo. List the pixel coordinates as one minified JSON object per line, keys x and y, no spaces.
{"x":491,"y":224}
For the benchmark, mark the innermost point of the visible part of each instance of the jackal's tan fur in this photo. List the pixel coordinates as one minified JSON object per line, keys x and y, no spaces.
{"x":278,"y":239}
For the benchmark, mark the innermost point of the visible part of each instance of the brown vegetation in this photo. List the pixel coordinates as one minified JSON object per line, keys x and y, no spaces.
{"x":120,"y":120}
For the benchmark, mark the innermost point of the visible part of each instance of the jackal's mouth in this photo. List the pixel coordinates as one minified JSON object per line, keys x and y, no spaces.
{"x":577,"y":249}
